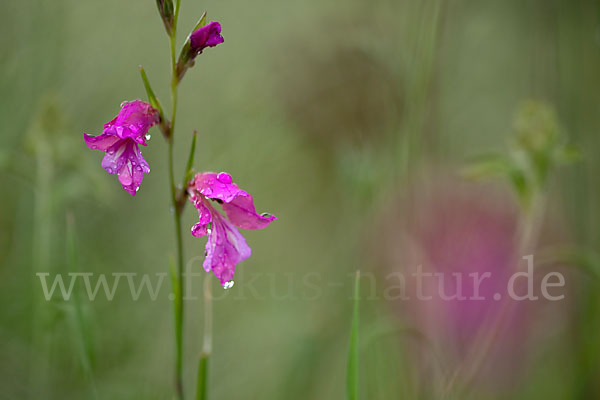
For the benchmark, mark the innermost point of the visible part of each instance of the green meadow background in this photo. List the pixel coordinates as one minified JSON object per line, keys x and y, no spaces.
{"x":326,"y":111}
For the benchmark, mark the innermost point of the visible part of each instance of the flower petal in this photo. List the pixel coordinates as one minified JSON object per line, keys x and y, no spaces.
{"x":100,"y":142}
{"x":225,"y":248}
{"x":241,"y":212}
{"x":217,"y":186}
{"x":113,"y":160}
{"x":125,"y":159}
{"x":201,"y":228}
{"x":133,"y":121}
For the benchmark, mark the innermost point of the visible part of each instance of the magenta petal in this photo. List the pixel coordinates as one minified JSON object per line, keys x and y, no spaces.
{"x":204,"y":218}
{"x":241,"y":212}
{"x":217,"y":186}
{"x":133,"y":121}
{"x":113,"y":160}
{"x":100,"y":142}
{"x":207,"y":36}
{"x":125,"y":159}
{"x":225,"y":248}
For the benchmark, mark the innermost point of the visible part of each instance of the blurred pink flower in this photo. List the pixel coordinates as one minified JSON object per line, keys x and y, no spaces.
{"x":225,"y":247}
{"x":120,"y":139}
{"x":448,"y":227}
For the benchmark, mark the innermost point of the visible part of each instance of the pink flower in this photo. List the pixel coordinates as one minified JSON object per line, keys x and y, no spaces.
{"x":452,"y":232}
{"x":226,"y":247}
{"x":120,"y":139}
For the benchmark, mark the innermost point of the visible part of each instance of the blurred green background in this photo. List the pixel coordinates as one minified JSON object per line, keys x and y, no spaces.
{"x":325,"y":111}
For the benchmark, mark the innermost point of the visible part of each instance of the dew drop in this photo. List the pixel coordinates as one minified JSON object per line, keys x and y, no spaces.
{"x":228,"y":285}
{"x":224,"y":177}
{"x":148,"y":136}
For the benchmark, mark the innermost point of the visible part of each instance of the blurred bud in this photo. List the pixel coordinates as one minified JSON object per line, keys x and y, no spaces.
{"x":537,"y":136}
{"x":203,"y":36}
{"x":165,"y":8}
{"x":537,"y":148}
{"x":536,"y":126}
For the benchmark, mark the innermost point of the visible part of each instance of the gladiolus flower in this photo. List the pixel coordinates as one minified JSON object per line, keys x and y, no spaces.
{"x":226,"y":247}
{"x":120,"y":139}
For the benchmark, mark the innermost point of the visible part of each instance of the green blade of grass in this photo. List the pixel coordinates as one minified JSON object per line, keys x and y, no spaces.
{"x":352,"y":372}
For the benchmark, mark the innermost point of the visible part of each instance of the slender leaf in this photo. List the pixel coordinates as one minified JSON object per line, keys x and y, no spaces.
{"x":151,"y":96}
{"x":190,"y":164}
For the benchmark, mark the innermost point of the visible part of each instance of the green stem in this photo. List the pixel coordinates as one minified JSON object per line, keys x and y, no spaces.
{"x":179,"y":318}
{"x":179,"y":295}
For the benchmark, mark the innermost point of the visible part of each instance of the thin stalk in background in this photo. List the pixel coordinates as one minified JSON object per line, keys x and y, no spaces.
{"x":422,"y":70}
{"x":80,"y":323}
{"x":39,"y":368}
{"x":352,"y":372}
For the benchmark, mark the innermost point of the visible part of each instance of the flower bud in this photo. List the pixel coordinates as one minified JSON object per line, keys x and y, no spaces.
{"x":165,"y":8}
{"x":202,"y":37}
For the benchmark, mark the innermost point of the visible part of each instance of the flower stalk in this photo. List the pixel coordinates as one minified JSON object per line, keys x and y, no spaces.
{"x":177,"y":211}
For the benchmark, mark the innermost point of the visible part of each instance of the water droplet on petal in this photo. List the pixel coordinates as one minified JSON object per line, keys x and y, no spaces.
{"x":224,"y":177}
{"x":148,"y":136}
{"x":228,"y":285}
